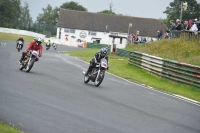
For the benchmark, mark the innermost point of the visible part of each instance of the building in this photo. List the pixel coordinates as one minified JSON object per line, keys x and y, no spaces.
{"x":74,"y":26}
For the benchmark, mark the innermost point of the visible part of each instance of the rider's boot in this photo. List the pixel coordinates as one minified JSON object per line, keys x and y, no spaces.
{"x":21,"y":59}
{"x":88,"y":71}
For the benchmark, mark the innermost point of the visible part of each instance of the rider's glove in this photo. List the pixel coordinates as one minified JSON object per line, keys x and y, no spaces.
{"x":39,"y":55}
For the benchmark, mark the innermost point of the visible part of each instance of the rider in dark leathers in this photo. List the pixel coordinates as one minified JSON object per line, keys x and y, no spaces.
{"x":20,"y":39}
{"x":96,"y":59}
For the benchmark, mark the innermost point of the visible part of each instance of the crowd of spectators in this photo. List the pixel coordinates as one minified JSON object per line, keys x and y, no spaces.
{"x":132,"y":38}
{"x":173,"y":32}
{"x":178,"y":26}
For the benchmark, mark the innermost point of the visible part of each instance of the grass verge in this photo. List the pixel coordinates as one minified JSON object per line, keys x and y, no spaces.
{"x":8,"y":129}
{"x":14,"y":37}
{"x":120,"y":67}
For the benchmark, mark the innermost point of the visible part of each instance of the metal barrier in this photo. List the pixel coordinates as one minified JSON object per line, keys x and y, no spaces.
{"x":190,"y":35}
{"x":122,"y":52}
{"x":175,"y":71}
{"x":96,"y":45}
{"x":185,"y":34}
{"x":175,"y":34}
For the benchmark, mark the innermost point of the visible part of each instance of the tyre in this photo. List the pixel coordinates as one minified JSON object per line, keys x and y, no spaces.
{"x":86,"y":79}
{"x":99,"y":79}
{"x":21,"y":67}
{"x":29,"y":66}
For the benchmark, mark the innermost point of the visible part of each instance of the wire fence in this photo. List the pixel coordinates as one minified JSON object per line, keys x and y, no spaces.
{"x":185,"y":34}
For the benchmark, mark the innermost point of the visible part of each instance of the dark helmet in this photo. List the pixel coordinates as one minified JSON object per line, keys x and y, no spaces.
{"x":103,"y":52}
{"x":38,"y":41}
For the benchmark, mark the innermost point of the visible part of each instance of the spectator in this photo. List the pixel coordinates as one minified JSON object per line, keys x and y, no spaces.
{"x":161,"y":34}
{"x":194,"y":27}
{"x":129,"y":38}
{"x":179,"y":26}
{"x":143,"y":40}
{"x":182,"y":24}
{"x":136,"y":39}
{"x":195,"y":20}
{"x":148,"y":39}
{"x":173,"y":25}
{"x":158,"y":35}
{"x":172,"y":28}
{"x":190,"y":23}
{"x":165,"y":35}
{"x":197,"y":24}
{"x":186,"y":25}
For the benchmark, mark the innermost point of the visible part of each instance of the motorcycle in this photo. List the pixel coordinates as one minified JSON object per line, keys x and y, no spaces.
{"x":48,"y":46}
{"x":28,"y":61}
{"x":54,"y":46}
{"x":19,"y":45}
{"x":97,"y":74}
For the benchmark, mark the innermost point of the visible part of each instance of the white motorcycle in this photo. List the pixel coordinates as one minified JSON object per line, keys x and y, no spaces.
{"x":97,"y":74}
{"x":19,"y":45}
{"x":48,"y":45}
{"x":54,"y":46}
{"x":28,"y":61}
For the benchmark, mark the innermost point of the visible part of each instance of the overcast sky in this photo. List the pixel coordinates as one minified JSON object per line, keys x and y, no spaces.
{"x":136,"y":8}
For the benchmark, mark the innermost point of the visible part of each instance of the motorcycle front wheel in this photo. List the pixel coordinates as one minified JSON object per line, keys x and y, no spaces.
{"x":21,"y":67}
{"x":99,"y":79}
{"x":86,"y":79}
{"x":30,"y":65}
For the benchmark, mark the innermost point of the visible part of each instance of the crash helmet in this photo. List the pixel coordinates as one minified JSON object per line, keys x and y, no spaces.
{"x":38,"y":41}
{"x":103,"y":52}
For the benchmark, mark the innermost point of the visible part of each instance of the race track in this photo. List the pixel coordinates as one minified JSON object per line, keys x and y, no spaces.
{"x":52,"y":98}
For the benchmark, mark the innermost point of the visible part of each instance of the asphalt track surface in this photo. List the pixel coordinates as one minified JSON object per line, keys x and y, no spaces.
{"x":52,"y":98}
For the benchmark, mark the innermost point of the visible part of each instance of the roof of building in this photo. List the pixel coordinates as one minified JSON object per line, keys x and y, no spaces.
{"x":114,"y":23}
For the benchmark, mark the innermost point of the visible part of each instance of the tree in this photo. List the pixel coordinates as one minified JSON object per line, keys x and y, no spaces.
{"x":107,"y":12}
{"x":166,"y":22}
{"x":73,"y":6}
{"x":46,"y":21}
{"x":110,"y":11}
{"x":10,"y":13}
{"x":174,"y":10}
{"x":26,"y":19}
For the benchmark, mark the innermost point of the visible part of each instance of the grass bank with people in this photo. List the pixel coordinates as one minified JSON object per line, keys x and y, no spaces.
{"x":175,"y":49}
{"x":120,"y":67}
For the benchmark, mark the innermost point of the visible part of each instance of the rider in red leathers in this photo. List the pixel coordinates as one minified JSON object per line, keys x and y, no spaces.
{"x":34,"y":45}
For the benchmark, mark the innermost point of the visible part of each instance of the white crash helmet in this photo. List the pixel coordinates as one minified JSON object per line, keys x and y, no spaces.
{"x":38,"y":41}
